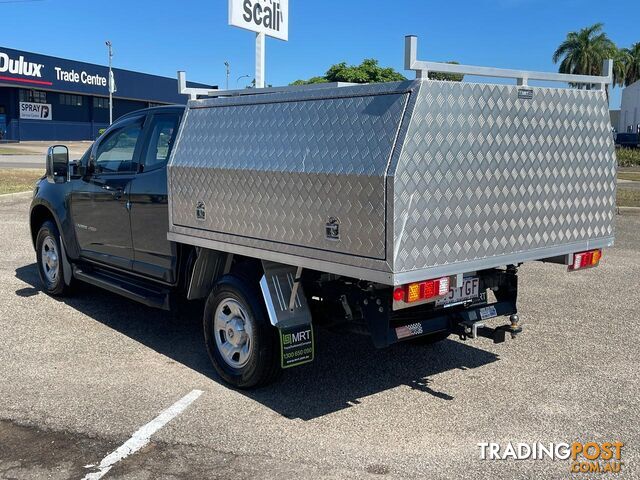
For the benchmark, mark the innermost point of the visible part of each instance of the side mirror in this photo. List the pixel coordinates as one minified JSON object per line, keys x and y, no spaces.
{"x":57,"y":164}
{"x":90,"y":168}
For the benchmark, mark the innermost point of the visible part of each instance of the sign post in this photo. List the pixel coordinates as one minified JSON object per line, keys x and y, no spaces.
{"x":266,"y":18}
{"x":260,"y":59}
{"x":111,"y":81}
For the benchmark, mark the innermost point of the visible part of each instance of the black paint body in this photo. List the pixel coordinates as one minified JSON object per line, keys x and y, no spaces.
{"x":117,"y":219}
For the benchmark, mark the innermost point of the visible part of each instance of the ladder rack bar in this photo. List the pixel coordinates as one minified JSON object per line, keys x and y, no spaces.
{"x":422,"y":68}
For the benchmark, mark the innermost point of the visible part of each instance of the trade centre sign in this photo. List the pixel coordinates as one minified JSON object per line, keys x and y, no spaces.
{"x":83,"y":77}
{"x":42,"y":72}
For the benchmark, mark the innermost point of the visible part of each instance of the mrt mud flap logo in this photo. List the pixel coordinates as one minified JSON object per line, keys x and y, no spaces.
{"x":296,"y":345}
{"x":589,"y":457}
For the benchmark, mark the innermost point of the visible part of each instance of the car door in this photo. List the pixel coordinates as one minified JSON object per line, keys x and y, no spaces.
{"x":99,"y":202}
{"x":154,"y":255}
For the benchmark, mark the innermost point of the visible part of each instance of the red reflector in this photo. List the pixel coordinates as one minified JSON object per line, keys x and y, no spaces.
{"x":398,"y":294}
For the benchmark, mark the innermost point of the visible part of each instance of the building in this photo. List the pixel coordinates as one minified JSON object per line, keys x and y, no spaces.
{"x":630,"y":109}
{"x":48,"y":98}
{"x":614,"y":116}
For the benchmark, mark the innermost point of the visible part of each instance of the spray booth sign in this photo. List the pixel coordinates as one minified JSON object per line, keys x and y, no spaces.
{"x":35,"y":111}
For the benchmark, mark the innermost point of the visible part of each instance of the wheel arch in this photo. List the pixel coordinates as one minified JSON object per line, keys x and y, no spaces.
{"x":40,"y":213}
{"x":204,"y":267}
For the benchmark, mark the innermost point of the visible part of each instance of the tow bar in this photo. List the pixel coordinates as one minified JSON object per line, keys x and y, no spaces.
{"x":474,"y":329}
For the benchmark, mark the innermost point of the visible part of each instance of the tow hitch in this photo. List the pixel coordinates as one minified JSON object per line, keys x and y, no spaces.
{"x":474,"y":329}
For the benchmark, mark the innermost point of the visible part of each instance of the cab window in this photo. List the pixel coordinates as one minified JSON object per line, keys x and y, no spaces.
{"x":116,"y":151}
{"x":163,"y":131}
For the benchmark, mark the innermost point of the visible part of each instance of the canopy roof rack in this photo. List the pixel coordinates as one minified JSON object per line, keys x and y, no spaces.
{"x":194,"y":93}
{"x":422,"y":69}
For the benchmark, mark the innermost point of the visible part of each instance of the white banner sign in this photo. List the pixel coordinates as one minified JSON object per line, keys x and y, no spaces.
{"x":270,"y":17}
{"x":35,"y":111}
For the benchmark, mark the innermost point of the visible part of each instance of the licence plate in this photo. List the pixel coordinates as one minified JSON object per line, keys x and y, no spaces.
{"x":469,"y":290}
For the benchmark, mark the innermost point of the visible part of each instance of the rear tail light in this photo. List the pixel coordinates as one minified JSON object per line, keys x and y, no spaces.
{"x":587,"y":259}
{"x":422,"y":290}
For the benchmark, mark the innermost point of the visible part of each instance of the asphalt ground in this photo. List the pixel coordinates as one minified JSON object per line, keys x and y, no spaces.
{"x":31,"y":154}
{"x":79,"y":376}
{"x":22,"y":161}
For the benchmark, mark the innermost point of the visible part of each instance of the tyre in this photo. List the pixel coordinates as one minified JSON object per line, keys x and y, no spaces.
{"x":49,"y":256}
{"x":243,"y":345}
{"x":430,"y":339}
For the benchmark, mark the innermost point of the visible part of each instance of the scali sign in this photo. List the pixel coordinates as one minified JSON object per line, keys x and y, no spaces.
{"x":270,"y":17}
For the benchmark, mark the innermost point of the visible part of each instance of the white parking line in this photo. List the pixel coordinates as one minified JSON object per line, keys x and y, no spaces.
{"x":141,"y":437}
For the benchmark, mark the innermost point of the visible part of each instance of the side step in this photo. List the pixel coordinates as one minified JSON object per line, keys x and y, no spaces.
{"x":140,"y":291}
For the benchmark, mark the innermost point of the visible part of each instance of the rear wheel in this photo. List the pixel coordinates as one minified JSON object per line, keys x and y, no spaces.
{"x":49,"y":256}
{"x":242,"y":343}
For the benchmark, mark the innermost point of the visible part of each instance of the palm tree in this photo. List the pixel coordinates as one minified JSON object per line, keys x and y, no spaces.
{"x":583,"y":52}
{"x":633,"y":64}
{"x":621,"y":62}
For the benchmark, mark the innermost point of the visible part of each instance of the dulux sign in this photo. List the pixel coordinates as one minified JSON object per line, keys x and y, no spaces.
{"x":19,"y":65}
{"x":32,"y":70}
{"x":270,"y":17}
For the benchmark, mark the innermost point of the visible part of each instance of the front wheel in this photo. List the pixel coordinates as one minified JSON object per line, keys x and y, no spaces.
{"x":49,"y":256}
{"x":242,"y":343}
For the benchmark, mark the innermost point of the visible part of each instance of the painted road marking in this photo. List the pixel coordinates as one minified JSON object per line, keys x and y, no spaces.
{"x":141,"y":437}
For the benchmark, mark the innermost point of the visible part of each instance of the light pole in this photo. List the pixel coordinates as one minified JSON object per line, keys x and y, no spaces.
{"x":226,"y":64}
{"x":111,"y":82}
{"x":240,"y":78}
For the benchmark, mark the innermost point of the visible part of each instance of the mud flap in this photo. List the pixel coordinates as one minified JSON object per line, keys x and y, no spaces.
{"x":288,"y":311}
{"x":296,"y":345}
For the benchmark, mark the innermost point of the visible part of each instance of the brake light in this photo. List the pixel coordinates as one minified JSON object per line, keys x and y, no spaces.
{"x":587,"y":259}
{"x":422,"y":290}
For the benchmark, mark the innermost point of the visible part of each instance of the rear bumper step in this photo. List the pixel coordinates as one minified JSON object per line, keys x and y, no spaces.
{"x":468,"y":323}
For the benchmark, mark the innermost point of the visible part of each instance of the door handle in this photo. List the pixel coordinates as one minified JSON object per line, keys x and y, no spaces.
{"x":116,"y":193}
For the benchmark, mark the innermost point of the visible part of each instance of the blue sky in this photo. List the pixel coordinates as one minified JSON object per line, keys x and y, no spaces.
{"x":160,"y":37}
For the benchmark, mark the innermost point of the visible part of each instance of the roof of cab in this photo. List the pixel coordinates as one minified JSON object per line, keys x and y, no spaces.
{"x":162,"y":108}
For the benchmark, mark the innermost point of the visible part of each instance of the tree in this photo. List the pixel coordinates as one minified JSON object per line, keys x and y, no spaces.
{"x":450,"y":77}
{"x":621,"y":60}
{"x":583,"y":52}
{"x":633,"y":64}
{"x":369,"y":71}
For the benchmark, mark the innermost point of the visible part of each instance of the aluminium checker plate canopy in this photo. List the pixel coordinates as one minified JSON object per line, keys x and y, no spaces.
{"x":396,"y":182}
